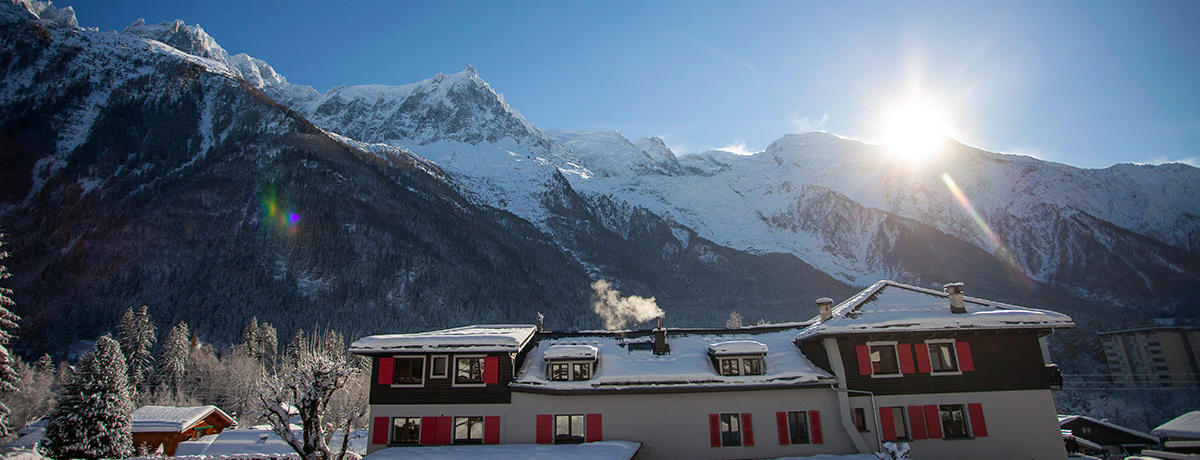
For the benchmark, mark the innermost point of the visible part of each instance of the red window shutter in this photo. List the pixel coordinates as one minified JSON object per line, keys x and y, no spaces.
{"x":964,"y":356}
{"x":933,"y":421}
{"x":445,"y":430}
{"x":864,"y":360}
{"x":714,"y":429}
{"x":491,"y":430}
{"x":923,"y":358}
{"x":595,"y":430}
{"x":916,"y":418}
{"x":545,"y":429}
{"x":906,"y":362}
{"x":491,"y":369}
{"x":814,"y":419}
{"x":784,"y":433}
{"x":978,"y":425}
{"x":428,"y":431}
{"x":381,"y":431}
{"x":887,"y":423}
{"x":747,"y":430}
{"x":385,"y":371}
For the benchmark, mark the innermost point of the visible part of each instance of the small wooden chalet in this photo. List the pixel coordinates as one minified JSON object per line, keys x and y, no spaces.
{"x":164,"y":427}
{"x":946,"y":373}
{"x":1115,"y":439}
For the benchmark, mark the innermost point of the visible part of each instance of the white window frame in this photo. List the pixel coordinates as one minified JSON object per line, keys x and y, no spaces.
{"x":954,"y":349}
{"x":392,"y":433}
{"x":895,"y":352}
{"x":570,"y":369}
{"x":582,"y":431}
{"x":454,"y":374}
{"x":408,"y":385}
{"x":807,"y":427}
{"x":448,"y":366}
{"x":741,"y":365}
{"x":454,"y":439}
{"x":741,"y":431}
{"x":966,"y":421}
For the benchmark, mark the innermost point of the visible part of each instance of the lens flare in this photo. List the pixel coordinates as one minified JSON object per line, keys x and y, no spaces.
{"x":277,"y":215}
{"x":997,"y":246}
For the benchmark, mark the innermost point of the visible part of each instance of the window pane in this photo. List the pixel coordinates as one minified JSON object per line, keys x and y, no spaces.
{"x":406,"y":430}
{"x":953,"y":422}
{"x":568,"y":429}
{"x":941,"y":357}
{"x":883,"y":359}
{"x":438,"y":366}
{"x":731,"y":431}
{"x":798,"y":427}
{"x":559,"y":372}
{"x":899,"y":422}
{"x":753,"y":366}
{"x":468,"y":370}
{"x":729,"y":367}
{"x":407,"y":370}
{"x":468,"y":430}
{"x":583,"y":371}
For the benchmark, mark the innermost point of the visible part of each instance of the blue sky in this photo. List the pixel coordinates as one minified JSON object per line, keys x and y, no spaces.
{"x":1084,"y":83}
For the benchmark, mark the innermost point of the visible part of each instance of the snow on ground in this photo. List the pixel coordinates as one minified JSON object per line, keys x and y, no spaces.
{"x":834,"y":457}
{"x":604,"y":450}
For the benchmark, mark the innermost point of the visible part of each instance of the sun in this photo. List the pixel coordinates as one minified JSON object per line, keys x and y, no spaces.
{"x":914,"y":130}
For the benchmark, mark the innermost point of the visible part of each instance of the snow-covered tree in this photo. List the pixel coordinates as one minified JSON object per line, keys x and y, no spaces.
{"x":268,"y":346}
{"x":173,"y":357}
{"x":137,"y":337}
{"x":34,"y":397}
{"x":91,"y":419}
{"x":8,"y":322}
{"x":250,"y":336}
{"x":734,"y":321}
{"x":314,"y":382}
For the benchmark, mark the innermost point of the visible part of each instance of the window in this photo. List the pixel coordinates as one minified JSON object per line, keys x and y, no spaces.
{"x":942,"y":357}
{"x":406,"y":430}
{"x":731,"y":430}
{"x":439,"y":367}
{"x":570,"y":370}
{"x":899,"y":422}
{"x":468,"y":370}
{"x":798,"y":427}
{"x":408,"y":371}
{"x":468,"y":430}
{"x":884,"y":360}
{"x":569,"y":429}
{"x":581,"y":371}
{"x":860,"y":419}
{"x":741,"y":366}
{"x":954,"y":423}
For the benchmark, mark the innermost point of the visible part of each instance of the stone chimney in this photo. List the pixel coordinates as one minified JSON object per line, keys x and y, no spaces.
{"x":660,"y":339}
{"x":825,"y":306}
{"x":956,"y":297}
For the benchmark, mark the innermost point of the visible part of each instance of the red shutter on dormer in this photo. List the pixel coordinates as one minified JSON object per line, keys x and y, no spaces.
{"x":887,"y":423}
{"x":933,"y":421}
{"x":965,"y":362}
{"x":814,"y":419}
{"x":978,"y":426}
{"x":491,"y":369}
{"x":923,"y":358}
{"x":381,"y":431}
{"x":491,"y":430}
{"x":545,"y":429}
{"x":428,"y":431}
{"x":864,"y":360}
{"x":782,"y":421}
{"x":445,"y":430}
{"x":595,"y":429}
{"x":906,"y":360}
{"x":747,"y":431}
{"x":714,"y":429}
{"x":916,"y":418}
{"x":385,"y":371}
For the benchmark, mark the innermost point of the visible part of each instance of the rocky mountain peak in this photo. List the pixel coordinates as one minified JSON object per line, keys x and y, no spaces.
{"x":192,"y":40}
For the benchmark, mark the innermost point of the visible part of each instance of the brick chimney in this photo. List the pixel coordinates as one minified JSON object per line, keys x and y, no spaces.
{"x":660,"y":339}
{"x":956,"y":297}
{"x":825,"y":306}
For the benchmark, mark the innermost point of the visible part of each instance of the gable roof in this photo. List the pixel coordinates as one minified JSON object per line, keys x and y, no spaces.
{"x":888,"y":306}
{"x":164,"y":419}
{"x":626,"y":360}
{"x":479,"y":338}
{"x":1065,"y":419}
{"x":1186,"y":426}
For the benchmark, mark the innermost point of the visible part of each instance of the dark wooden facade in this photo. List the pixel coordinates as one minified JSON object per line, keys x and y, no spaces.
{"x":213,"y":423}
{"x":443,"y":390}
{"x":1002,"y":360}
{"x":1105,"y":435}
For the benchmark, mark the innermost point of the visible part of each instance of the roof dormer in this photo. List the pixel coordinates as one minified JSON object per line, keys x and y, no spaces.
{"x":571,"y":362}
{"x":738,"y":357}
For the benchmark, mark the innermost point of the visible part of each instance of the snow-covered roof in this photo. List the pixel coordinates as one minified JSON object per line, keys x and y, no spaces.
{"x":603,"y":450}
{"x":1065,"y":419}
{"x":254,"y":442}
{"x":737,"y":347}
{"x":565,"y":352}
{"x":479,"y":338}
{"x":1186,"y":426}
{"x":627,"y":360}
{"x":888,"y":306}
{"x":162,"y":419}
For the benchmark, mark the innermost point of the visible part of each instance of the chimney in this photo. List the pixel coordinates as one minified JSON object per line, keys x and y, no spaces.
{"x":660,"y":339}
{"x":825,"y":306}
{"x":956,"y":297}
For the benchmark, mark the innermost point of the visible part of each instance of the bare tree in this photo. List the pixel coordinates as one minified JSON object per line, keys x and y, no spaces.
{"x":314,"y":383}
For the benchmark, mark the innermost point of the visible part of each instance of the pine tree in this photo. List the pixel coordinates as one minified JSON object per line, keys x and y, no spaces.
{"x":268,"y":346}
{"x":250,"y":337}
{"x":8,"y":322}
{"x":173,"y":356}
{"x":91,"y":419}
{"x":137,"y":337}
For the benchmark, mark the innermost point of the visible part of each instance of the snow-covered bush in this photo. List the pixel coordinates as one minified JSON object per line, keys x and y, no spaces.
{"x":891,"y":451}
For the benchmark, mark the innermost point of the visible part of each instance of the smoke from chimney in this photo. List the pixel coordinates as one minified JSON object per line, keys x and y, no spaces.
{"x":618,"y":311}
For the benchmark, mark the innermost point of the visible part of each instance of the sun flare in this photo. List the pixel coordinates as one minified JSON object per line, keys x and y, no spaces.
{"x":914,"y":130}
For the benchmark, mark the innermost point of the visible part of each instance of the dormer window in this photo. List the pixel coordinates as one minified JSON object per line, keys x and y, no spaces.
{"x":571,"y":362}
{"x":740,"y":357}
